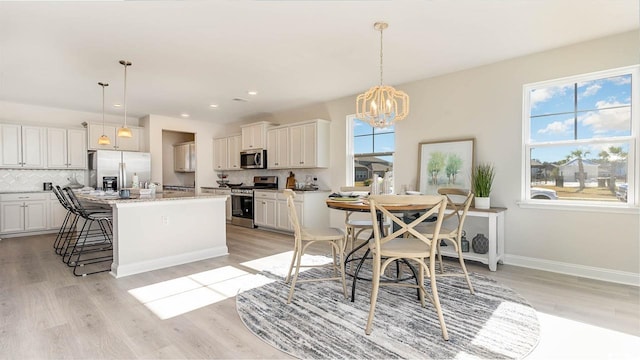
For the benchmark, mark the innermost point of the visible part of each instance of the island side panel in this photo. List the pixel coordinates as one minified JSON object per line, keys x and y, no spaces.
{"x":157,"y":234}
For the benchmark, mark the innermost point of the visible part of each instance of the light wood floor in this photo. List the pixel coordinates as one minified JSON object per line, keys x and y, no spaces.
{"x":46,"y":312}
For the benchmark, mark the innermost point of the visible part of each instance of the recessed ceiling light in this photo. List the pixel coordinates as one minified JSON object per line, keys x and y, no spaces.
{"x":213,"y":106}
{"x":252,"y":92}
{"x":184,"y":115}
{"x":117,"y":105}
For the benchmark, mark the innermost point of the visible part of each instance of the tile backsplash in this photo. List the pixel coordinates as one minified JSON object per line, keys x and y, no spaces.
{"x":31,"y":180}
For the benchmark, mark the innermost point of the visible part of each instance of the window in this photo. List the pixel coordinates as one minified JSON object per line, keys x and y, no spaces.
{"x":580,"y":135}
{"x":372,"y":151}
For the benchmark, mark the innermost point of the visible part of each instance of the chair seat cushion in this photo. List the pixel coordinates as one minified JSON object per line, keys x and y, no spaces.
{"x":327,"y":233}
{"x":404,"y":248}
{"x":360,"y":223}
{"x":428,"y":229}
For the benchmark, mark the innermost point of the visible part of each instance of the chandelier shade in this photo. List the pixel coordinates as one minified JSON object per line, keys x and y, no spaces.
{"x":382,"y":105}
{"x":103,"y":139}
{"x":124,"y":131}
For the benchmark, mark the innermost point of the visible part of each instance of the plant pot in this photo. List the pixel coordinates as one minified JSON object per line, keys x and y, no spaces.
{"x":483,"y":203}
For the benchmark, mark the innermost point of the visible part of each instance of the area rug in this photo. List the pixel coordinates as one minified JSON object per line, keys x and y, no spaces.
{"x":495,"y":323}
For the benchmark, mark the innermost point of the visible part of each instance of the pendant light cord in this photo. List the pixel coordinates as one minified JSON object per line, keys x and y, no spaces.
{"x":125,"y":94}
{"x":381,"y":30}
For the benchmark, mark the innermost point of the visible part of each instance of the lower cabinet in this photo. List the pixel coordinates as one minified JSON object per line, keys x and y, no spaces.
{"x":264,"y":209}
{"x":271,"y":211}
{"x":23,"y":212}
{"x":57,"y":213}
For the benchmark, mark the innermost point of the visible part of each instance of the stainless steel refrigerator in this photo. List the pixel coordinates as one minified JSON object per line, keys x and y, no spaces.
{"x":122,"y":164}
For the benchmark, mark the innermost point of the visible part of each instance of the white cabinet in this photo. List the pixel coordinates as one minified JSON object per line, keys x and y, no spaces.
{"x":271,"y":209}
{"x":22,"y":146}
{"x":223,"y":192}
{"x":226,"y":153}
{"x":57,"y":213}
{"x":234,"y":146}
{"x":117,"y":143}
{"x":278,"y":148}
{"x":309,"y":144}
{"x":184,"y":157}
{"x":254,"y":136}
{"x":264,"y":208}
{"x":220,"y":154}
{"x":23,"y":212}
{"x":66,"y":148}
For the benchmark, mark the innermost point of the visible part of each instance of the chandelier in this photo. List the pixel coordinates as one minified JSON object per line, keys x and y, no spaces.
{"x":382,"y":106}
{"x":124,"y":131}
{"x":104,"y":139}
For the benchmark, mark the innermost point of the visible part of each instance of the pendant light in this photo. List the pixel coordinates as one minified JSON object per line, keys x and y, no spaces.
{"x":104,"y":139}
{"x":382,"y":106}
{"x":124,"y":131}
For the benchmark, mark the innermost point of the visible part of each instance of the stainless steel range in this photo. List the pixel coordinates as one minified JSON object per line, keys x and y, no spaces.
{"x":242,"y":199}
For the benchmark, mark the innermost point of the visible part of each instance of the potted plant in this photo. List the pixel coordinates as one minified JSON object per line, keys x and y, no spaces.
{"x":481,"y":182}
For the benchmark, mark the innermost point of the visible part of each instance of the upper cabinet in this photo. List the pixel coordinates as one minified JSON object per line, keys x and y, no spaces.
{"x":22,"y":146}
{"x":66,"y":148}
{"x":117,"y":143}
{"x":254,"y":136}
{"x":234,"y":146}
{"x":278,"y":148}
{"x":184,"y":157}
{"x":226,"y":153}
{"x":220,"y":154}
{"x":309,"y":144}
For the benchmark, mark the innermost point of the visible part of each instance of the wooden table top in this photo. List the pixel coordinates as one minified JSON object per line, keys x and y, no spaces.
{"x":363,"y":205}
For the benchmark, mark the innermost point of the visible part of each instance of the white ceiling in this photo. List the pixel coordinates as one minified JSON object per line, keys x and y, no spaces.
{"x":189,"y":54}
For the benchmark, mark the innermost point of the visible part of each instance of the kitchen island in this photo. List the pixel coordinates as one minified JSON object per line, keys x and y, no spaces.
{"x":157,"y":231}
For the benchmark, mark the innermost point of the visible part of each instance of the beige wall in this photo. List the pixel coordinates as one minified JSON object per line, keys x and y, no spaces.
{"x":486,"y":103}
{"x":204,"y":134}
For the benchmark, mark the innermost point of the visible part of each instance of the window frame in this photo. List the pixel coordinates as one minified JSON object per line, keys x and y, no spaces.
{"x":633,"y":169}
{"x":350,"y":148}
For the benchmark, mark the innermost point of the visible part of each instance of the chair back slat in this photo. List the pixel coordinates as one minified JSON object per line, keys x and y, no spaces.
{"x":433,"y":205}
{"x":293,"y":215}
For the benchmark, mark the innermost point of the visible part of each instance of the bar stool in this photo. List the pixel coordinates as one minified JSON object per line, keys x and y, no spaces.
{"x":90,"y":245}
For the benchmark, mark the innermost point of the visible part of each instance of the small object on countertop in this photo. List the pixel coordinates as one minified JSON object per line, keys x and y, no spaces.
{"x":135,"y":181}
{"x":291,"y":181}
{"x":124,"y":193}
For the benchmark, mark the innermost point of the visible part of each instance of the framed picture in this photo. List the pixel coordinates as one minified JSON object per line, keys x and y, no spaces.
{"x":446,"y":163}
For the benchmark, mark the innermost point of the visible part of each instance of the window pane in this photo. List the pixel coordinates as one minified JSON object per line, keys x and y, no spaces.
{"x":604,"y":93}
{"x":552,"y":100}
{"x":593,"y":172}
{"x":366,"y":166}
{"x":604,"y":123}
{"x":552,"y":128}
{"x":384,"y":143}
{"x":363,"y":144}
{"x":389,"y":129}
{"x":361,"y":128}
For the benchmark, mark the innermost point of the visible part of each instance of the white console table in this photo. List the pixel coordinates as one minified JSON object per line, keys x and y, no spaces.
{"x":495,"y":216}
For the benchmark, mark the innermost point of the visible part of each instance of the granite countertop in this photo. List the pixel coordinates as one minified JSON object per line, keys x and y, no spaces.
{"x":25,"y":191}
{"x":114,"y":199}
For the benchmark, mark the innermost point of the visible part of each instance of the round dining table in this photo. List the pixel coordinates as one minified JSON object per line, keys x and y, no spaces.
{"x":362,"y":205}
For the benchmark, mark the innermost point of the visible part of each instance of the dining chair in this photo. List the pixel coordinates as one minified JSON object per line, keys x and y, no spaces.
{"x":303,"y":238}
{"x":416,"y":248}
{"x":451,"y":232}
{"x":354,"y":227}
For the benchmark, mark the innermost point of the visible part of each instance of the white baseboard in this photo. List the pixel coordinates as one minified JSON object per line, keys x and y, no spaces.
{"x":621,"y":277}
{"x":119,"y":271}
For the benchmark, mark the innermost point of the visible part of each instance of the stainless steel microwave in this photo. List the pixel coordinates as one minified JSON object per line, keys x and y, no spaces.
{"x":253,"y":159}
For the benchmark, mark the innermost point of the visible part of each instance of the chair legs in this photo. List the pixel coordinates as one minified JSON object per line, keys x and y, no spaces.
{"x":458,"y":249}
{"x":337,"y":249}
{"x":379,"y":268}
